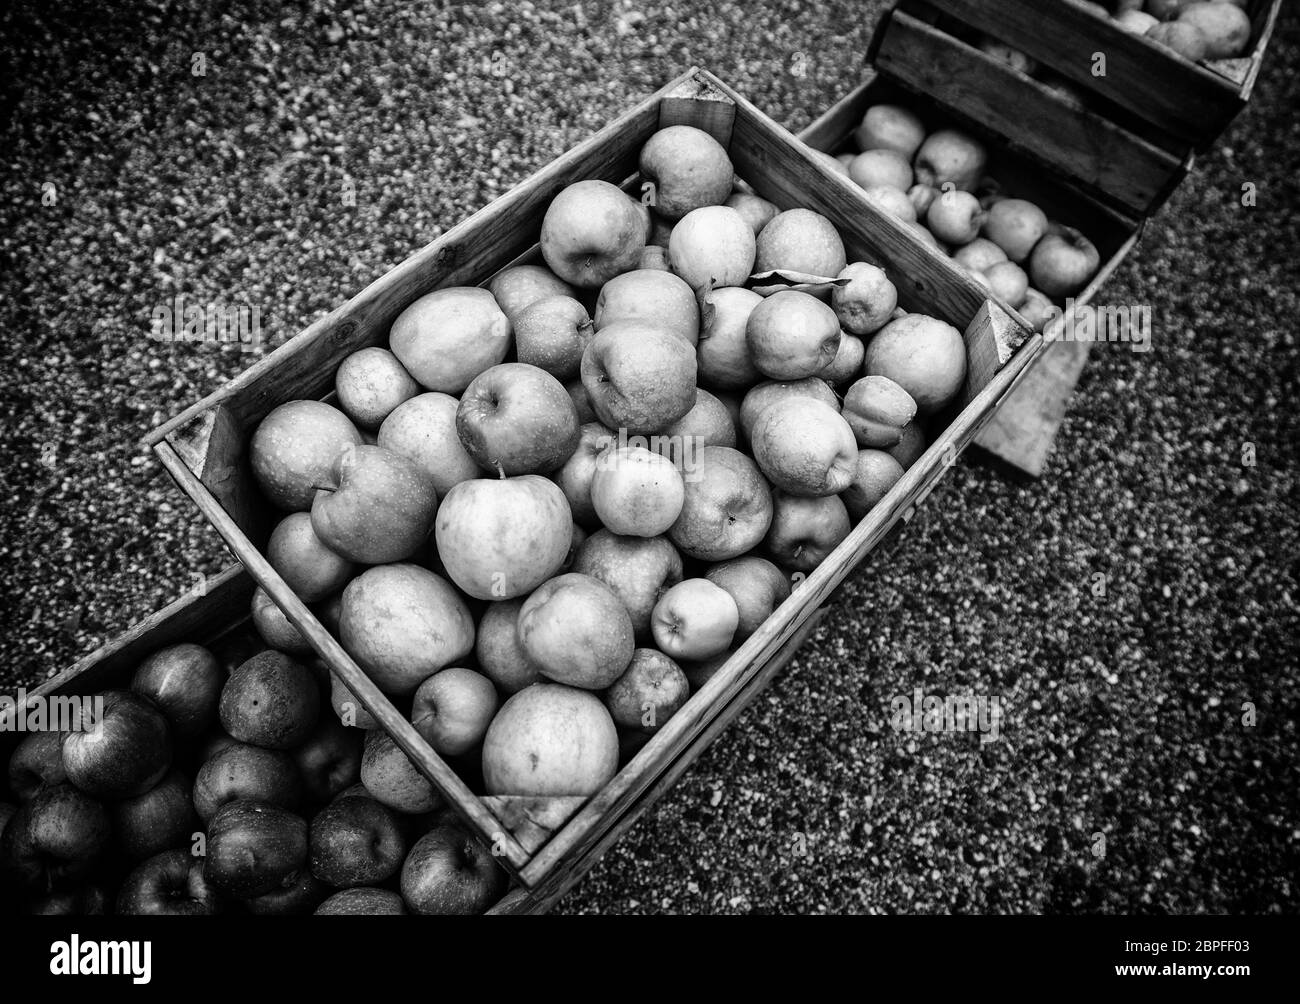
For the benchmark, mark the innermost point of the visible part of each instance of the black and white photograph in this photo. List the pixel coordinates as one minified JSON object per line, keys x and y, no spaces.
{"x":623,"y":458}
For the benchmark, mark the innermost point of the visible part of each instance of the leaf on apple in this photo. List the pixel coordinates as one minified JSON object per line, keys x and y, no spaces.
{"x":777,"y":279}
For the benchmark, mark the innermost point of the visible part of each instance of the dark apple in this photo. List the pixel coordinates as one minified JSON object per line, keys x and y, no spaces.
{"x":243,"y":771}
{"x":270,"y":701}
{"x":296,"y":900}
{"x":86,"y":901}
{"x":356,"y":841}
{"x":160,"y":819}
{"x":36,"y":761}
{"x":517,"y":419}
{"x":125,"y":754}
{"x":184,"y":681}
{"x":170,"y":884}
{"x":254,"y":848}
{"x":69,"y":830}
{"x":449,"y":872}
{"x":330,"y":760}
{"x":362,"y":902}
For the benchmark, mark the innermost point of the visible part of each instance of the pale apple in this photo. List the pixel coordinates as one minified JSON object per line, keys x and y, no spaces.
{"x":1009,"y":282}
{"x":370,"y":383}
{"x":792,"y":335}
{"x":847,"y":362}
{"x":577,"y":631}
{"x":890,"y":127}
{"x":448,"y":337}
{"x":877,"y":410}
{"x":804,"y":447}
{"x":636,"y":569}
{"x":1063,"y":262}
{"x":637,"y":493}
{"x":892,"y":202}
{"x":375,"y":506}
{"x":875,"y":474}
{"x":949,"y":156}
{"x":799,"y":240}
{"x":867,"y":301}
{"x":755,"y":211}
{"x":764,"y":395}
{"x":955,"y":217}
{"x":713,"y":246}
{"x":517,"y":419}
{"x":979,"y":254}
{"x":1182,"y":37}
{"x":295,"y":447}
{"x":757,"y":586}
{"x":650,"y":297}
{"x":1037,"y":309}
{"x":520,"y":286}
{"x":922,"y":198}
{"x":453,"y":708}
{"x":727,"y":508}
{"x":688,"y":168}
{"x":552,"y":333}
{"x":723,"y":352}
{"x":640,"y":377}
{"x":709,"y":423}
{"x":1014,"y":225}
{"x":500,"y":654}
{"x":923,"y":355}
{"x":592,"y":231}
{"x":307,"y":566}
{"x":695,"y":619}
{"x":423,"y":430}
{"x":805,"y":530}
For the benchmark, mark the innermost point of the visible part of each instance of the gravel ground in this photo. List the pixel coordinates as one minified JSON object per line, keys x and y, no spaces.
{"x":1124,"y":778}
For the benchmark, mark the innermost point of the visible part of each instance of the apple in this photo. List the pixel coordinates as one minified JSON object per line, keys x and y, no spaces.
{"x":757,"y":586}
{"x":449,"y":872}
{"x":162,"y":818}
{"x":1015,"y":226}
{"x":274,"y":628}
{"x":270,"y":701}
{"x":792,"y":335}
{"x":877,"y":409}
{"x":650,"y":692}
{"x":979,"y":254}
{"x":423,"y":430}
{"x":576,"y":475}
{"x":948,"y":156}
{"x":551,"y":333}
{"x":688,"y":168}
{"x":891,"y":201}
{"x":299,"y":898}
{"x":216,"y":741}
{"x":253,"y":848}
{"x":804,"y":447}
{"x":517,"y":419}
{"x":876,"y":472}
{"x":911,"y":447}
{"x":391,"y":777}
{"x":581,"y":402}
{"x":764,"y":395}
{"x":577,"y":631}
{"x":799,"y":240}
{"x":867,"y":301}
{"x":636,"y":492}
{"x":1009,"y":282}
{"x":727,"y":508}
{"x":592,"y":232}
{"x":550,"y":739}
{"x":955,"y":217}
{"x":1136,"y":21}
{"x":1037,"y":309}
{"x":500,"y":655}
{"x":356,"y":841}
{"x":890,"y":127}
{"x":245,"y":771}
{"x":350,"y":711}
{"x":712,"y":246}
{"x":695,"y":619}
{"x":520,"y":286}
{"x":502,"y":538}
{"x":370,"y":383}
{"x":647,"y":296}
{"x":1183,"y":37}
{"x":67,"y":830}
{"x":755,"y":211}
{"x":301,"y":558}
{"x":377,"y":506}
{"x":922,"y":198}
{"x":805,"y":530}
{"x":330,"y":760}
{"x":453,"y":708}
{"x":1004,"y":53}
{"x":723,"y":352}
{"x":636,"y":569}
{"x":889,"y":168}
{"x":36,"y":761}
{"x":362,"y":902}
{"x":639,"y":377}
{"x":294,"y":449}
{"x":170,"y":884}
{"x":126,"y":754}
{"x":923,"y":355}
{"x":402,"y":623}
{"x":709,"y":423}
{"x":448,"y":337}
{"x":1063,"y":262}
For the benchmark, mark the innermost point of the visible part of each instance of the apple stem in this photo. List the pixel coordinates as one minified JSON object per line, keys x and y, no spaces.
{"x":325,"y":488}
{"x":500,"y":469}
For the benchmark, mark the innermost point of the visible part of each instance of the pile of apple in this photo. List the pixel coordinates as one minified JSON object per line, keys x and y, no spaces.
{"x":289,"y":812}
{"x":1195,"y":29}
{"x":936,"y":183}
{"x":549,"y":509}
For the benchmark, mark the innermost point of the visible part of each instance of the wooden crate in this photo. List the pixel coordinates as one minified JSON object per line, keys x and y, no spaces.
{"x":204,"y":448}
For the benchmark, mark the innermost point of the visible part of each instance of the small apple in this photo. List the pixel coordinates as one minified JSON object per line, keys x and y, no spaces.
{"x":636,"y":569}
{"x":501,"y":538}
{"x":170,"y":884}
{"x":68,"y":830}
{"x":162,"y":818}
{"x":979,"y":254}
{"x":552,"y":333}
{"x":500,"y":654}
{"x":757,"y":586}
{"x":1183,"y":37}
{"x":713,"y":246}
{"x":867,"y":302}
{"x":377,"y":506}
{"x":577,"y":631}
{"x":330,"y":760}
{"x":295,"y":447}
{"x":550,"y":739}
{"x":875,"y":474}
{"x":402,"y":623}
{"x":889,"y":168}
{"x":804,"y":447}
{"x":792,"y":335}
{"x":350,"y":712}
{"x":764,"y":395}
{"x":727,"y":508}
{"x":274,"y":628}
{"x":923,"y":355}
{"x":576,"y":475}
{"x":799,"y":240}
{"x":647,"y":296}
{"x":423,"y":429}
{"x":297,"y":899}
{"x":362,"y":902}
{"x":637,"y":493}
{"x":1015,"y":226}
{"x":688,"y":168}
{"x":922,"y":198}
{"x":517,"y":419}
{"x":1037,"y":309}
{"x":650,"y":692}
{"x":950,"y":156}
{"x":1063,"y":262}
{"x":805,"y":530}
{"x":370,"y":384}
{"x":520,"y":286}
{"x":453,"y":708}
{"x":955,"y":217}
{"x":391,"y":777}
{"x":723,"y":352}
{"x":244,"y":771}
{"x":1009,"y":282}
{"x":877,"y":409}
{"x":709,"y":423}
{"x":592,"y":232}
{"x":639,"y":377}
{"x":36,"y":761}
{"x":756,"y":211}
{"x":1136,"y":21}
{"x":448,"y":337}
{"x":270,"y":701}
{"x":254,"y":848}
{"x":356,"y":841}
{"x":125,"y":754}
{"x":892,"y":202}
{"x":695,"y":619}
{"x":890,"y":127}
{"x":307,"y":566}
{"x":449,"y":872}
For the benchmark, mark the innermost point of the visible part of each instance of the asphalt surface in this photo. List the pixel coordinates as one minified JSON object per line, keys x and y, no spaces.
{"x":1124,"y":777}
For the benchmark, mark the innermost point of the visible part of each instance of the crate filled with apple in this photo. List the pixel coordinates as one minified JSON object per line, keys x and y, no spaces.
{"x":555,"y":495}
